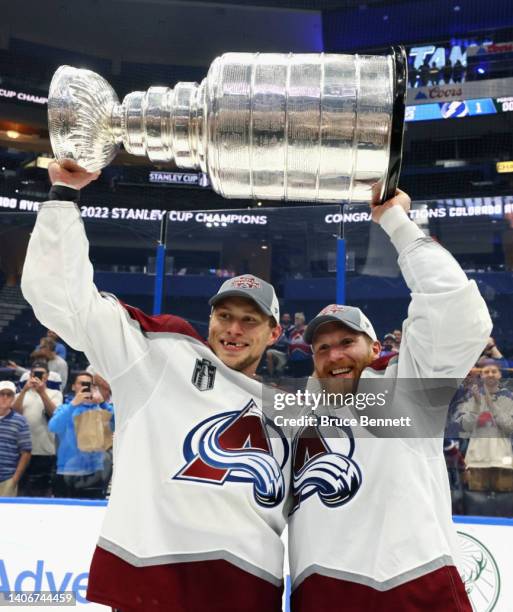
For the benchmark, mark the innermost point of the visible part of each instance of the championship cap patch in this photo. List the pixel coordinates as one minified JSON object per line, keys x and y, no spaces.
{"x":351,"y":316}
{"x":245,"y":282}
{"x":252,"y":288}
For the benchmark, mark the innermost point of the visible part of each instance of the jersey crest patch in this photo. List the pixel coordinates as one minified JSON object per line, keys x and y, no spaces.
{"x":236,"y":447}
{"x":319,"y":470}
{"x":204,"y":375}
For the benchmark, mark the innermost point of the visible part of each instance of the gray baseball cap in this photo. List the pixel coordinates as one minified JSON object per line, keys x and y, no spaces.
{"x":350,"y":316}
{"x":253,"y":288}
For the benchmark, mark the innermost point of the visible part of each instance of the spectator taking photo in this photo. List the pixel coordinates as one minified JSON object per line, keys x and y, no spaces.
{"x":83,"y":427}
{"x":37,"y":403}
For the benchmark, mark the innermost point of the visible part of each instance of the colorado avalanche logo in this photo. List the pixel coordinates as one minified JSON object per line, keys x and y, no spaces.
{"x":235,"y":447}
{"x":334,"y":477}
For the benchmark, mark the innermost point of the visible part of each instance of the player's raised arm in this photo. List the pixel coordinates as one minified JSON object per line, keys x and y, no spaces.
{"x":58,"y":283}
{"x":448,"y":322}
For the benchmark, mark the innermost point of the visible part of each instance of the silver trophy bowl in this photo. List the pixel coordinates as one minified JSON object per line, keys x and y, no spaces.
{"x":315,"y":128}
{"x":80,"y":104}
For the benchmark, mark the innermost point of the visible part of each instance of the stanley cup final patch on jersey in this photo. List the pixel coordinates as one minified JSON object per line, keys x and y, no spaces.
{"x":204,"y":375}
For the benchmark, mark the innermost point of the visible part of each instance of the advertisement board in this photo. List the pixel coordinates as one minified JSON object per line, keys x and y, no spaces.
{"x":47,"y":546}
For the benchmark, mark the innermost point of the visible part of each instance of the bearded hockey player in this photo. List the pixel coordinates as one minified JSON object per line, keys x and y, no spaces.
{"x":196,"y":508}
{"x":371,"y":526}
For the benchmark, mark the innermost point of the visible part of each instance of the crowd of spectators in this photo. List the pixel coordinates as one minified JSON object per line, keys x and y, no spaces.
{"x":290,"y":356}
{"x":478,"y":447}
{"x":391,"y":343}
{"x":53,"y":353}
{"x":55,"y":441}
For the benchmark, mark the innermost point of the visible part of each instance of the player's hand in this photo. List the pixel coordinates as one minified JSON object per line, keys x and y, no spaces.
{"x":400,"y":199}
{"x":70,"y":173}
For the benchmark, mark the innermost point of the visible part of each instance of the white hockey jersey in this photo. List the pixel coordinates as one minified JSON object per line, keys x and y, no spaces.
{"x":197,"y":502}
{"x":371,"y":527}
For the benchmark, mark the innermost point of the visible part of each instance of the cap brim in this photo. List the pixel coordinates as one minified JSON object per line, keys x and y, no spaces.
{"x":314,"y":325}
{"x":11,"y":388}
{"x":238,"y":293}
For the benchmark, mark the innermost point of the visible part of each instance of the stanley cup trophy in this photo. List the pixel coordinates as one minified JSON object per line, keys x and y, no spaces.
{"x":315,"y":128}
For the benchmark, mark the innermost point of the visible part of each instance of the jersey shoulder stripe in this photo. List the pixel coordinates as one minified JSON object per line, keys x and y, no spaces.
{"x":161,"y":323}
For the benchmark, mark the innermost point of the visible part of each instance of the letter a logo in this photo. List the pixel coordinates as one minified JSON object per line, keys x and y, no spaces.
{"x":235,"y":447}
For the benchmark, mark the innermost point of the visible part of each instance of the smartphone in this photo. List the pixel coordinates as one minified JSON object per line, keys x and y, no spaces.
{"x":86,"y":387}
{"x":38,"y":374}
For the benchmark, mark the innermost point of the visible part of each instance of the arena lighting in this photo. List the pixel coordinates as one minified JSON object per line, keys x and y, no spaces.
{"x":451,"y":163}
{"x":43,"y":161}
{"x":481,"y":70}
{"x":481,"y":183}
{"x":12,"y":134}
{"x":216,"y":224}
{"x":504,"y":166}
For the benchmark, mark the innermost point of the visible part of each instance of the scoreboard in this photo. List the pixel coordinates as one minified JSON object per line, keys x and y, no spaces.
{"x":456,"y":109}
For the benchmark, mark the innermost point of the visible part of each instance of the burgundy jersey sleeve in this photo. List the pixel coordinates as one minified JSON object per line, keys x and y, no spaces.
{"x":162,"y":323}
